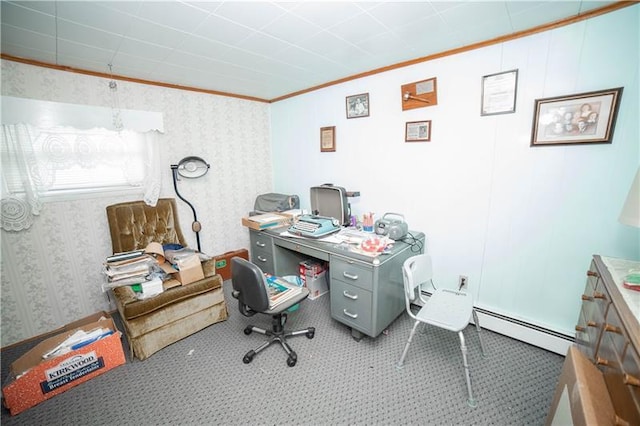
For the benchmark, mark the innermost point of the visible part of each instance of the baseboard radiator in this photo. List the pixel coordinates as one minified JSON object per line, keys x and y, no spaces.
{"x":532,"y":334}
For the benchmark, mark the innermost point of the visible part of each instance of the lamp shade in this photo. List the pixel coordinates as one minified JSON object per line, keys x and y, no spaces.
{"x":630,"y":214}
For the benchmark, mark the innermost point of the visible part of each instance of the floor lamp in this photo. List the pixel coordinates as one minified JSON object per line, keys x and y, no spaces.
{"x":190,"y":168}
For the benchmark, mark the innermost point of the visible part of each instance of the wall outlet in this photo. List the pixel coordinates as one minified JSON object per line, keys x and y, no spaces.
{"x":463,"y":281}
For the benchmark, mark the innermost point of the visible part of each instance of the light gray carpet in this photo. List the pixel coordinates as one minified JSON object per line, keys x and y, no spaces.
{"x":202,"y":380}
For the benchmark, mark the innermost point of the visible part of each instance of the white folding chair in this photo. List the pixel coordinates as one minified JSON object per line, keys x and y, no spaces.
{"x":446,"y":308}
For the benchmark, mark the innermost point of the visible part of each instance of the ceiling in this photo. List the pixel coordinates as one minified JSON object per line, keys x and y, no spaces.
{"x":261,"y":49}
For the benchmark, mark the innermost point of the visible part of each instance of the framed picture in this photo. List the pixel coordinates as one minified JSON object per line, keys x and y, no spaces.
{"x":328,"y":139}
{"x":358,"y":105}
{"x":499,"y":93}
{"x":417,"y":131}
{"x":575,"y":119}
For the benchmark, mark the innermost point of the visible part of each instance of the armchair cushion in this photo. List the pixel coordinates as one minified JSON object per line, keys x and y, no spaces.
{"x":133,"y":308}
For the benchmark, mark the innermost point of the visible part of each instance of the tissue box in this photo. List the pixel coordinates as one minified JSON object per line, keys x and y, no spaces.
{"x":34,"y":379}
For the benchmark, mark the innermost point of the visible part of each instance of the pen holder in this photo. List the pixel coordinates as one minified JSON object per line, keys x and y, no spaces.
{"x":367,"y":222}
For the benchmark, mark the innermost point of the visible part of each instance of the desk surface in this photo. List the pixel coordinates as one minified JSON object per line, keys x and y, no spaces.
{"x":321,"y":249}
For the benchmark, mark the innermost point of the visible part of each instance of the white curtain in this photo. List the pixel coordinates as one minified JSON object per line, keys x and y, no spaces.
{"x":38,"y":160}
{"x":22,"y":184}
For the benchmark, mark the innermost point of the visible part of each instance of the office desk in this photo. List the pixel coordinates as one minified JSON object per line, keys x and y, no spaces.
{"x":366,"y":292}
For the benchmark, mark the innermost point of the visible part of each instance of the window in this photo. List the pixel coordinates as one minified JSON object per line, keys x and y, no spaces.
{"x":67,"y":160}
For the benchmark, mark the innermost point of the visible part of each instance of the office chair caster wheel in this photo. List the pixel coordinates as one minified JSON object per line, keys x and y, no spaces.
{"x":248,"y":357}
{"x":310,"y":333}
{"x":248,"y":330}
{"x":292,"y":360}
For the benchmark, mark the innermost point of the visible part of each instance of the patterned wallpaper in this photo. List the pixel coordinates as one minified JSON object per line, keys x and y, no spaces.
{"x":51,"y":273}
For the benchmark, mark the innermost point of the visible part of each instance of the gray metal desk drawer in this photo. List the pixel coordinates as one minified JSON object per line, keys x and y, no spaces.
{"x":351,"y":305}
{"x":296,"y":246}
{"x":352,"y":273}
{"x":261,"y":241}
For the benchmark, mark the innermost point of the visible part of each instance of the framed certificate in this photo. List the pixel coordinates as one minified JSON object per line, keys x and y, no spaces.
{"x":417,"y":131}
{"x":328,"y":139}
{"x":499,"y":93}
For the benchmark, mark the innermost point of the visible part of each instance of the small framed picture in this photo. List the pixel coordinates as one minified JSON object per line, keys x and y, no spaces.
{"x":417,"y":131}
{"x":576,"y":119}
{"x":499,"y":93}
{"x":358,"y":105}
{"x":328,"y":139}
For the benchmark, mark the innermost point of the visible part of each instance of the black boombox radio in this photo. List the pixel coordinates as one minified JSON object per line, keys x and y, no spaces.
{"x":394,"y":228}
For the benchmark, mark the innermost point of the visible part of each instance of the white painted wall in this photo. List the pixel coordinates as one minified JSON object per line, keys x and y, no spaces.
{"x":522,"y":222}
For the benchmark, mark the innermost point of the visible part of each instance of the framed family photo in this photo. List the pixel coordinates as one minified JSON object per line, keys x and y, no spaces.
{"x":576,"y":119}
{"x":358,"y":105}
{"x":417,"y":131}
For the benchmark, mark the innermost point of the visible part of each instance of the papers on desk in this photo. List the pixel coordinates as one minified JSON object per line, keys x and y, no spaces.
{"x":360,"y":242}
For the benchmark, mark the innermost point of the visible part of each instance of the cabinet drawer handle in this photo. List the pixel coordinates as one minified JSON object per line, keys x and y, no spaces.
{"x":580,"y":328}
{"x":587,"y":298}
{"x":598,"y":295}
{"x":612,"y":328}
{"x":349,"y":295}
{"x":628,"y":379}
{"x":592,"y":274}
{"x":349,"y":314}
{"x":262,"y":259}
{"x":592,"y":323}
{"x":602,"y":361}
{"x":350,"y":276}
{"x":260,"y":244}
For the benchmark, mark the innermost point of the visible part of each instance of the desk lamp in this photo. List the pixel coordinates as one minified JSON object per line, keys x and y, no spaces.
{"x":190,"y":168}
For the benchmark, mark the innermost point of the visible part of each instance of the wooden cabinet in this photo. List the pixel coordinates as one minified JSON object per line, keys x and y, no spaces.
{"x":608,"y":333}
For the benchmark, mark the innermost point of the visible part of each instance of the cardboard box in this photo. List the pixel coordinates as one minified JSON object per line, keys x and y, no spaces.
{"x":314,"y":278}
{"x":581,"y":396}
{"x":189,"y":270}
{"x":223,"y":262}
{"x":265,"y":221}
{"x":33,"y":379}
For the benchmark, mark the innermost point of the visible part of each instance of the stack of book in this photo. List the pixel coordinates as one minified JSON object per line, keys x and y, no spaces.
{"x":280,"y":290}
{"x":132,"y":267}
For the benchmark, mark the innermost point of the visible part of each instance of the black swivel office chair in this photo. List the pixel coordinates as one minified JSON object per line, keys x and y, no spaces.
{"x":250,"y":288}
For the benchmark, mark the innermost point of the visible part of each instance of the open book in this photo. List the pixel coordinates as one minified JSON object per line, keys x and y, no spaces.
{"x":280,"y":290}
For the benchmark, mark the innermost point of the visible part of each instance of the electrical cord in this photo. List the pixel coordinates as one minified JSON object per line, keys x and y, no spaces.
{"x":416,"y":244}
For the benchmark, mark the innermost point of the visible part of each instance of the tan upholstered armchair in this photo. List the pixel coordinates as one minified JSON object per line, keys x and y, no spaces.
{"x":152,"y":324}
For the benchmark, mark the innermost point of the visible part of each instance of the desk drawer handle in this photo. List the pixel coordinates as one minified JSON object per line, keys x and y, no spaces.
{"x":602,"y":361}
{"x":349,"y":314}
{"x":587,"y":298}
{"x":349,"y":295}
{"x":260,"y":244}
{"x":592,"y":323}
{"x":350,"y":276}
{"x":262,"y":259}
{"x":580,"y":328}
{"x":592,"y":274}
